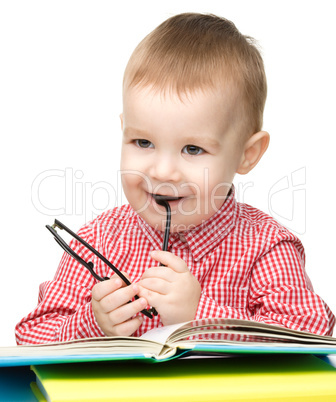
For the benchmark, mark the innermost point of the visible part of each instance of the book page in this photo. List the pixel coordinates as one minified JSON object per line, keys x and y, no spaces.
{"x":230,"y":331}
{"x":161,"y":334}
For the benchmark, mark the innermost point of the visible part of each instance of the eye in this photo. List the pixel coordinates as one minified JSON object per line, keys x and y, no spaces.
{"x":144,"y":144}
{"x":192,"y":150}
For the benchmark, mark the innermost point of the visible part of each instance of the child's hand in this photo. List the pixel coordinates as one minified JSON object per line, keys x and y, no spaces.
{"x":171,"y":289}
{"x":112,"y":310}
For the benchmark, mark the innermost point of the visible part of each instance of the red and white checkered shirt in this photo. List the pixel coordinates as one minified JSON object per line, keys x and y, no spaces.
{"x":248,"y":265}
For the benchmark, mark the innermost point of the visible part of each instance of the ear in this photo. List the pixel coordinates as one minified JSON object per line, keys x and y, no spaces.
{"x":121,"y":121}
{"x":254,"y":149}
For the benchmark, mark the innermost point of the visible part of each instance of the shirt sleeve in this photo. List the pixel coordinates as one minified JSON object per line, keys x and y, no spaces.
{"x":64,"y":310}
{"x":280,"y":293}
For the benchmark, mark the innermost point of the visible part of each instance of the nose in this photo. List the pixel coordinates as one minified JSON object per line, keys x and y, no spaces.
{"x":165,"y":168}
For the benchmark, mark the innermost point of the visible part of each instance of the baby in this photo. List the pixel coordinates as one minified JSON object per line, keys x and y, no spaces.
{"x":193,"y":99}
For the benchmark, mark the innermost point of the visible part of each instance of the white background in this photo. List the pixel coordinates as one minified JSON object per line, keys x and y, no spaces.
{"x":60,"y":97}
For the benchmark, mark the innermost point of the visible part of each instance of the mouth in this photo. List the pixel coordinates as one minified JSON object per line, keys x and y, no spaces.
{"x":165,"y":200}
{"x":160,"y":198}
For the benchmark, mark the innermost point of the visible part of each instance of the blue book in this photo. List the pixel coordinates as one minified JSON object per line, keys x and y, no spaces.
{"x":15,"y":384}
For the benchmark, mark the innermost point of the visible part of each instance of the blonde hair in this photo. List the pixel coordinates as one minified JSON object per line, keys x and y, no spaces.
{"x":192,"y":51}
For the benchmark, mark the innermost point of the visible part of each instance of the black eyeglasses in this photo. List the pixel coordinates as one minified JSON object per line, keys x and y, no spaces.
{"x":161,"y":200}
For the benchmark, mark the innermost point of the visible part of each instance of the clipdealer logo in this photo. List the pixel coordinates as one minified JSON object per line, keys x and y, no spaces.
{"x":56,"y":192}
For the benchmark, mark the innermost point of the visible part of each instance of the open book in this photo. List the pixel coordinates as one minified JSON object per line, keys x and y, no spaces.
{"x":206,"y":337}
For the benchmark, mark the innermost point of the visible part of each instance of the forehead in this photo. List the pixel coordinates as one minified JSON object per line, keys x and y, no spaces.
{"x":146,"y":107}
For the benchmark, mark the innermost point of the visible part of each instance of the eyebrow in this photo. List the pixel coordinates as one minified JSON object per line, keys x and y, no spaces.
{"x":135,"y":131}
{"x":195,"y":140}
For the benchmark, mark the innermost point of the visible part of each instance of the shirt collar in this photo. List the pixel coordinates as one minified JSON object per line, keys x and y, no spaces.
{"x":204,"y":237}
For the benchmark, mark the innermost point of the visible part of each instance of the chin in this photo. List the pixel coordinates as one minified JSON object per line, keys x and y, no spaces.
{"x":157,"y":223}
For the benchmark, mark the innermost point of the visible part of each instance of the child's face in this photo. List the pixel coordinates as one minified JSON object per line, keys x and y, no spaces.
{"x":183,"y":148}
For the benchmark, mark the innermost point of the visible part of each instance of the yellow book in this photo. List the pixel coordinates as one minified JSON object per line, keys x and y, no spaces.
{"x":245,"y":378}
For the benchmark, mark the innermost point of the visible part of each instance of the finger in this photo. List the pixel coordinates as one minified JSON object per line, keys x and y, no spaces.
{"x":127,"y":328}
{"x":105,"y":287}
{"x":153,"y":298}
{"x":124,"y":274}
{"x":164,"y":273}
{"x":170,"y":260}
{"x":153,"y":285}
{"x":127,"y":311}
{"x":118,"y":298}
{"x":102,"y":289}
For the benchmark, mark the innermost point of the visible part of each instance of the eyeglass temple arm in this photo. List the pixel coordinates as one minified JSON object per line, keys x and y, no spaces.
{"x":161,"y":200}
{"x":60,"y":225}
{"x":89,"y":265}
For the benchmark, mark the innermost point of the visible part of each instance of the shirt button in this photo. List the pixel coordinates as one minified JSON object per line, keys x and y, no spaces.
{"x":182,"y":238}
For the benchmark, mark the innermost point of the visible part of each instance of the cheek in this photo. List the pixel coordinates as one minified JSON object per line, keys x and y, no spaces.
{"x":130,"y":180}
{"x":127,"y":161}
{"x":132,"y":185}
{"x":216,"y":188}
{"x":132,"y":171}
{"x":210,"y":181}
{"x":218,"y":196}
